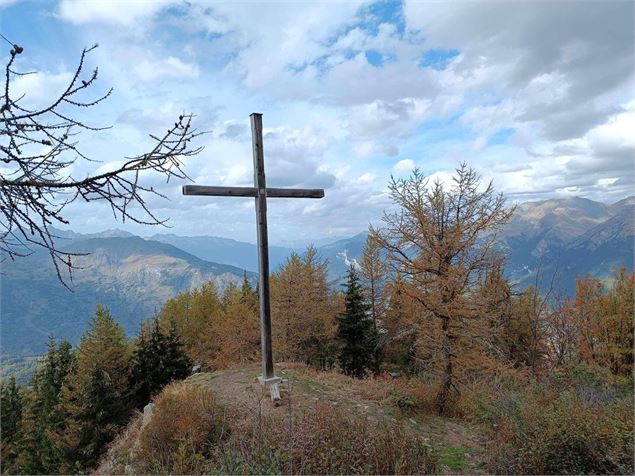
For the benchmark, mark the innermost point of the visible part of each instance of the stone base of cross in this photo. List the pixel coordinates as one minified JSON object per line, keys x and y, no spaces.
{"x":260,"y":192}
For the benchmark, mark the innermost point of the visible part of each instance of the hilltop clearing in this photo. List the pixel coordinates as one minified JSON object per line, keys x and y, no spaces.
{"x":325,"y":403}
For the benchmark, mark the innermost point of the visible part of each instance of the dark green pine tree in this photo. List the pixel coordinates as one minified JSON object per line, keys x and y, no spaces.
{"x":10,"y":409}
{"x":179,"y":364}
{"x":355,"y":331}
{"x":94,"y":398}
{"x":102,"y":413}
{"x":158,"y":360}
{"x":42,"y":418}
{"x":11,"y":421}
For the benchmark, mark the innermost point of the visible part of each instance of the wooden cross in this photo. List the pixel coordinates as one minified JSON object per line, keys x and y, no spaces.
{"x":260,"y":192}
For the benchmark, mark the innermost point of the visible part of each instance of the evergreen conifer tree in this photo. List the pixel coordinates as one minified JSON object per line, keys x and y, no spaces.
{"x":42,"y":420}
{"x":158,"y":359}
{"x":355,"y":331}
{"x":94,"y":397}
{"x":179,"y":363}
{"x":248,"y":295}
{"x":99,"y":415}
{"x":11,"y":421}
{"x":11,"y":409}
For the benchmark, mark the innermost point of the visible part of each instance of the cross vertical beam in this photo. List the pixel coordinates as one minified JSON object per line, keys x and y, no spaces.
{"x":260,"y":192}
{"x":263,"y":246}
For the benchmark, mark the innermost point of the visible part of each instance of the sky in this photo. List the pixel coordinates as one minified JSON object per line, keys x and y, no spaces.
{"x":537,"y":96}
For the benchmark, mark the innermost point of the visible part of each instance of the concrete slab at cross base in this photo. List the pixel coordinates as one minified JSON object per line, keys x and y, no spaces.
{"x":272,"y":384}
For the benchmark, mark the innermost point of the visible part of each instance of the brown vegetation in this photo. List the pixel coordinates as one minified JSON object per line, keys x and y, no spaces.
{"x":442,"y":240}
{"x":193,"y":431}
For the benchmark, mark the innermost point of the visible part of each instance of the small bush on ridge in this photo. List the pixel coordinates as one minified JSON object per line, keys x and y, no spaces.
{"x":185,"y":426}
{"x":563,"y":436}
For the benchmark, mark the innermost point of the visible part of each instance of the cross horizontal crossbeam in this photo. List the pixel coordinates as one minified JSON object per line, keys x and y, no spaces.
{"x":271,"y":192}
{"x":260,"y":192}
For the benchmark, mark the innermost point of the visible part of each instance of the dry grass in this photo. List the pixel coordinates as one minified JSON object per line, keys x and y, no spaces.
{"x":329,"y":423}
{"x":576,"y":421}
{"x":186,"y":425}
{"x":121,"y":455}
{"x":563,"y":436}
{"x":190,"y":433}
{"x":332,"y":401}
{"x":325,"y":440}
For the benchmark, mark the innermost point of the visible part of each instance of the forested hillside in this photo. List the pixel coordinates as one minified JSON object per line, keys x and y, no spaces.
{"x":546,"y":244}
{"x":132,"y":276}
{"x":426,"y":360}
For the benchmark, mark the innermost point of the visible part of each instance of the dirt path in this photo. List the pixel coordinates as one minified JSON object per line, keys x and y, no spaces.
{"x":459,"y":444}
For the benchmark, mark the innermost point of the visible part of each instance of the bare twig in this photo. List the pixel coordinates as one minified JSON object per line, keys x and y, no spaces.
{"x":37,"y":149}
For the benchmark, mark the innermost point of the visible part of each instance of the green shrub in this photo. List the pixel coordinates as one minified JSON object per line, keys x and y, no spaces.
{"x":454,"y":457}
{"x":484,"y":401}
{"x":404,"y":401}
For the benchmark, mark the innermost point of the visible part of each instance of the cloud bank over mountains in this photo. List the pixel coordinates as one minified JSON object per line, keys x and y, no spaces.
{"x":538,"y":96}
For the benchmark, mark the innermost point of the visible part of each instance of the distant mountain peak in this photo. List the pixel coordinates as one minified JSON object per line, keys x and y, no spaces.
{"x":628,"y":201}
{"x":112,"y":233}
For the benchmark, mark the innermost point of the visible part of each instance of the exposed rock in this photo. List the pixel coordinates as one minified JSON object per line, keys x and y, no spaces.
{"x":147,"y":413}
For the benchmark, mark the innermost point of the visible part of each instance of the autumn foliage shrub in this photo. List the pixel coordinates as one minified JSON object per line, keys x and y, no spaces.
{"x":574,"y":423}
{"x":185,"y":426}
{"x":492,"y":397}
{"x":414,"y":396}
{"x":564,"y":436}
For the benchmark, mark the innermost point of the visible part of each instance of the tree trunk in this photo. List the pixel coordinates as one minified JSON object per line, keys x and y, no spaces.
{"x":444,"y":403}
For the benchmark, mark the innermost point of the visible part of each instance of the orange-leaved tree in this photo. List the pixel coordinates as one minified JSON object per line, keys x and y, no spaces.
{"x":441,"y":239}
{"x":303,"y":309}
{"x":604,"y":322}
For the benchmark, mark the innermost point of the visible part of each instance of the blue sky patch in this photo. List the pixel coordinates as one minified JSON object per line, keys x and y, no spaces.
{"x":384,"y":11}
{"x":502,"y":136}
{"x":375,"y":58}
{"x":437,"y":58}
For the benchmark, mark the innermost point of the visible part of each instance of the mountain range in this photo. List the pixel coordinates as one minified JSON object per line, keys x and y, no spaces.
{"x":565,"y":238}
{"x":133,"y":276}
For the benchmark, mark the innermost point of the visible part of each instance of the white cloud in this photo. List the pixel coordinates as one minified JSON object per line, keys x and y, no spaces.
{"x":555,"y":72}
{"x":114,"y":12}
{"x":109,"y":167}
{"x":365,"y":179}
{"x":554,"y":60}
{"x":615,"y":135}
{"x":170,"y":67}
{"x":370,"y":148}
{"x":443,"y":177}
{"x":387,"y":118}
{"x":403,"y":167}
{"x":40,"y":89}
